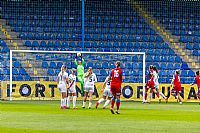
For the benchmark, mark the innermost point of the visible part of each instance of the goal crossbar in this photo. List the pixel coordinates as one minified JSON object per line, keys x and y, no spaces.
{"x":74,"y":52}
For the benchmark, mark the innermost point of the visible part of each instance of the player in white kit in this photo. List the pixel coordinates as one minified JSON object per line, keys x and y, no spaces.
{"x":62,"y":80}
{"x":89,"y":80}
{"x":106,"y":92}
{"x":72,"y":89}
{"x":156,"y":77}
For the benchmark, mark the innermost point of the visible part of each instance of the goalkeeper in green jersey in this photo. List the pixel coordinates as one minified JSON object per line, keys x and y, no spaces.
{"x":79,"y":61}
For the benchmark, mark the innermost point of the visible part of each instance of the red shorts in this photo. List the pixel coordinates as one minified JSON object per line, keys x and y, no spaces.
{"x":150,"y":85}
{"x":115,"y":89}
{"x":177,"y":88}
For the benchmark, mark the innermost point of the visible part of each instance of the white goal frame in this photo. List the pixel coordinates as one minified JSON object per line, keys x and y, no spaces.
{"x":74,"y":52}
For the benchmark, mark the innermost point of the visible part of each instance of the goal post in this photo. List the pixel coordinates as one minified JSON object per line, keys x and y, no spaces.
{"x":112,"y":54}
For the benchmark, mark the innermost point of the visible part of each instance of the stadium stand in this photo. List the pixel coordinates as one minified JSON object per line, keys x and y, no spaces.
{"x":109,"y":26}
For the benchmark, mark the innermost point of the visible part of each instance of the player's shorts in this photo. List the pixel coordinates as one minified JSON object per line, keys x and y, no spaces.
{"x":150,"y":85}
{"x":72,"y":90}
{"x":178,"y":89}
{"x":115,"y":89}
{"x":89,"y":89}
{"x":156,"y":86}
{"x":62,"y":87}
{"x":107,"y":92}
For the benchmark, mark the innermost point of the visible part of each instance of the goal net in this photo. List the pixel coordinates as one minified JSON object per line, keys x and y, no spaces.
{"x":33,"y":74}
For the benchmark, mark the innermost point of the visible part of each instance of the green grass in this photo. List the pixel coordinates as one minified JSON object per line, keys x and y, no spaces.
{"x":47,"y":117}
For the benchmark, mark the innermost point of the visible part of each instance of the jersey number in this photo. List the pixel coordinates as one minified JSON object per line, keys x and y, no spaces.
{"x":116,"y":74}
{"x":90,"y":79}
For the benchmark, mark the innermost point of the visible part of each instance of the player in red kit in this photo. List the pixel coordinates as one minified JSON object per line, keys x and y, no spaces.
{"x":197,"y":81}
{"x":177,"y":85}
{"x":115,"y":86}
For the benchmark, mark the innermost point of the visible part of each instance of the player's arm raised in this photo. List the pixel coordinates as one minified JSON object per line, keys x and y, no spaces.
{"x":83,"y":61}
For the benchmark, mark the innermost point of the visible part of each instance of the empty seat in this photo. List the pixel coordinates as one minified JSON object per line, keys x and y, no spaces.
{"x":16,"y":64}
{"x":45,"y":64}
{"x":50,"y":72}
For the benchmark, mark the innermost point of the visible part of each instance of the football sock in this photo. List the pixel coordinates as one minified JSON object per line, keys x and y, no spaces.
{"x":157,"y":94}
{"x":61,"y":102}
{"x":150,"y":96}
{"x":106,"y":103}
{"x":74,"y":101}
{"x":68,"y":101}
{"x":117,"y":103}
{"x":112,"y":103}
{"x":101,"y":100}
{"x":90,"y":104}
{"x":162,"y":95}
{"x":64,"y":102}
{"x":84,"y":103}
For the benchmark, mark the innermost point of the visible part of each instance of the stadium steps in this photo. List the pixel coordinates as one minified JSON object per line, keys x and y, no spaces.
{"x":167,"y":36}
{"x":14,"y":43}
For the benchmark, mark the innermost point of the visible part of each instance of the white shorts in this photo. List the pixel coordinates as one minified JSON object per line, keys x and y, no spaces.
{"x":62,"y":87}
{"x":156,"y":86}
{"x":107,"y":92}
{"x":72,"y":90}
{"x":89,"y":89}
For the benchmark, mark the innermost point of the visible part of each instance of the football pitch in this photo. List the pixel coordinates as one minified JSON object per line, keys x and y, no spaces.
{"x":47,"y":117}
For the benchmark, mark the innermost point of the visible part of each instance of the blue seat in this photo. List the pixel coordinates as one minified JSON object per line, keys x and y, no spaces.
{"x":103,"y":72}
{"x":65,"y":44}
{"x":89,"y":64}
{"x":184,"y":66}
{"x":19,"y":78}
{"x":97,"y":72}
{"x":135,"y":65}
{"x":163,"y":66}
{"x":98,"y":65}
{"x":149,"y":59}
{"x":27,"y":78}
{"x":189,"y":46}
{"x":28,"y":43}
{"x":196,"y":46}
{"x":178,"y":59}
{"x":59,"y":64}
{"x":50,"y":72}
{"x":5,"y":50}
{"x":195,"y":52}
{"x":162,"y":80}
{"x":35,"y":44}
{"x":157,"y":65}
{"x":15,"y":71}
{"x":22,"y":71}
{"x":177,"y":66}
{"x":184,"y":73}
{"x":52,"y":65}
{"x":45,"y":64}
{"x":170,"y":66}
{"x":191,"y":74}
{"x":2,"y":43}
{"x":16,"y":64}
{"x":105,"y":65}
